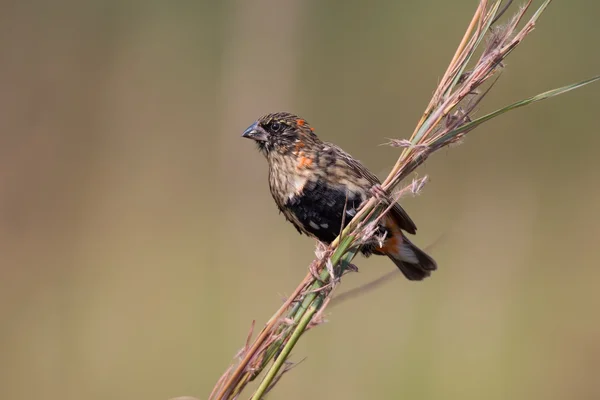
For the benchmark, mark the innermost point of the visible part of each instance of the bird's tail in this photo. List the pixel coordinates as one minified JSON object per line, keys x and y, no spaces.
{"x":414,"y":263}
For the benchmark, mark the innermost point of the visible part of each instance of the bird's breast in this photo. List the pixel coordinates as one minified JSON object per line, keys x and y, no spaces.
{"x":322,"y":210}
{"x":285,"y":182}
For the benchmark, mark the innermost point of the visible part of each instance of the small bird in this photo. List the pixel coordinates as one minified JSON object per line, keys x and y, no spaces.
{"x":314,"y":182}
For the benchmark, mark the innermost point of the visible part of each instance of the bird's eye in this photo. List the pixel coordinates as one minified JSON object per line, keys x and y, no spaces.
{"x":276,"y":127}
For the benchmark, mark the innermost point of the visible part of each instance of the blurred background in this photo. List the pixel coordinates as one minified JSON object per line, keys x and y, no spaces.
{"x":138,"y":238}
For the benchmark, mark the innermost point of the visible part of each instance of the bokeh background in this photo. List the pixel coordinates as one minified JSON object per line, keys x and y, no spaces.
{"x":138,"y":239}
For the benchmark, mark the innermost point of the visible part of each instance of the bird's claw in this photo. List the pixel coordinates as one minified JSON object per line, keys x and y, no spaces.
{"x":379,"y":192}
{"x":314,"y":271}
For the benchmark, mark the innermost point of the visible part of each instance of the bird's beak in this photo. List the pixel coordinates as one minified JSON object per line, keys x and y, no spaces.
{"x":255,"y":132}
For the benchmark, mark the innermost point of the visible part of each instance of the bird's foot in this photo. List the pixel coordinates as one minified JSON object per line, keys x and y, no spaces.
{"x":379,"y":192}
{"x":314,"y":271}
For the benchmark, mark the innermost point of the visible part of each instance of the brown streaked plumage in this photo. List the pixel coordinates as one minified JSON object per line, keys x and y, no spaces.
{"x":313,"y":182}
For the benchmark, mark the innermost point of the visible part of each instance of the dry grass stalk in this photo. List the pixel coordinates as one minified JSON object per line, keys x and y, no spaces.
{"x":445,"y":121}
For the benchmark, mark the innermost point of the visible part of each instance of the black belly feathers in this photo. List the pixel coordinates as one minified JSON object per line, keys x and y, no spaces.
{"x":319,"y":209}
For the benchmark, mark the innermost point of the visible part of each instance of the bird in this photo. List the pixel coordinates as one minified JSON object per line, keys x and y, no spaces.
{"x":319,"y":188}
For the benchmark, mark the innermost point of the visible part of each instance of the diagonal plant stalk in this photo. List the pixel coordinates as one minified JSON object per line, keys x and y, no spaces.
{"x":444,"y":121}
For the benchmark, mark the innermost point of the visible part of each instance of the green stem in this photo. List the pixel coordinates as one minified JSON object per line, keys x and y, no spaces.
{"x":337,"y":256}
{"x":305,"y":311}
{"x":285,"y":352}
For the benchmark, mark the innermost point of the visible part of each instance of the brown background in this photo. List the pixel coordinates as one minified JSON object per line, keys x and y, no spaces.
{"x":138,"y":239}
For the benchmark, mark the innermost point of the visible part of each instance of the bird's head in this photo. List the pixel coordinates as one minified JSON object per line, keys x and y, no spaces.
{"x":280,"y":132}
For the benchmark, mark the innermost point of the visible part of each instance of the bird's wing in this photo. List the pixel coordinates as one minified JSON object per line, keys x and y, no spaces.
{"x":397,"y":212}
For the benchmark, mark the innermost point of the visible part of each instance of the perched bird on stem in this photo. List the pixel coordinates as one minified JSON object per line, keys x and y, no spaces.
{"x":319,"y":187}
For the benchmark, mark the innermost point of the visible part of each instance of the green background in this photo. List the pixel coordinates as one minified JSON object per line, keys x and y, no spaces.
{"x":138,"y":238}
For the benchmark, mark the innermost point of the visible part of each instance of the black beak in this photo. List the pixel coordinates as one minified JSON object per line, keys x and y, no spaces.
{"x":255,"y":132}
